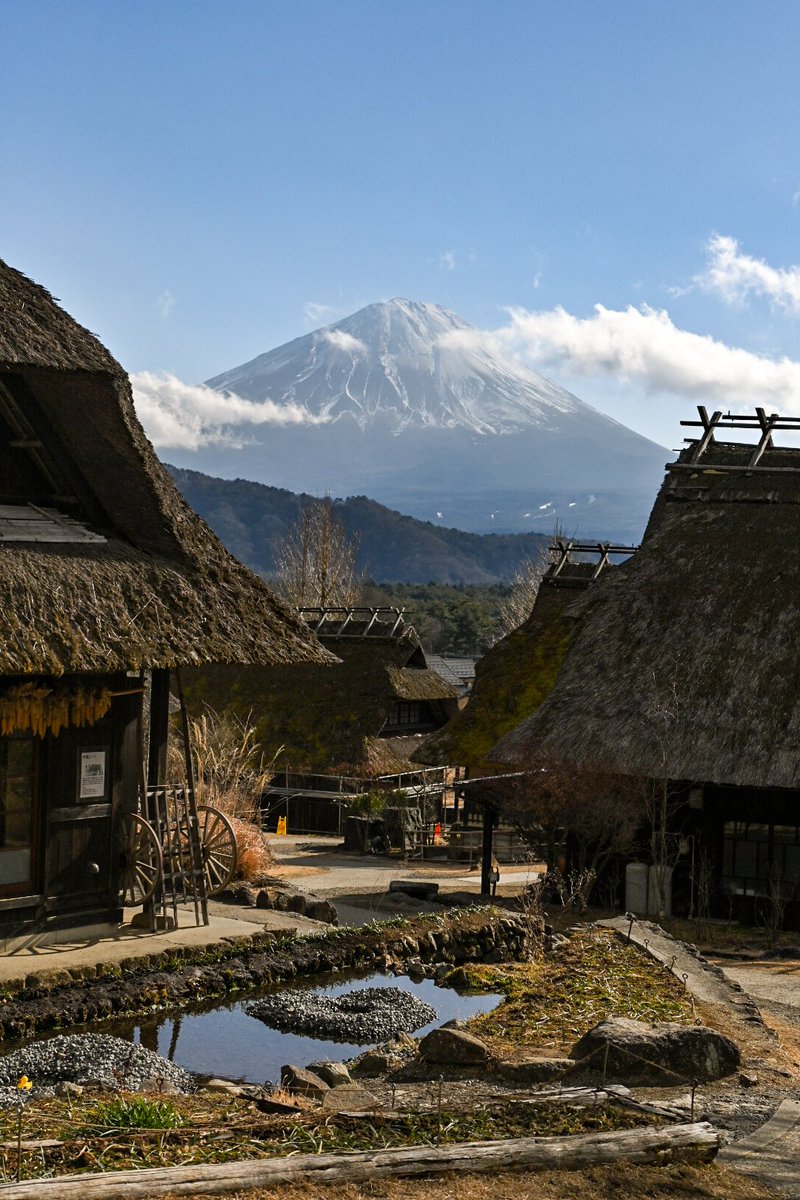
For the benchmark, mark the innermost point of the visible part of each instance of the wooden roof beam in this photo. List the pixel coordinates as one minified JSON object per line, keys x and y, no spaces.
{"x":708,"y":426}
{"x":765,"y":441}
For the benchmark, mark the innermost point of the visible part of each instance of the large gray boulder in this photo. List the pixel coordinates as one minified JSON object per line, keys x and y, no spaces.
{"x":664,"y":1054}
{"x":453,"y":1048}
{"x":335,"y":1074}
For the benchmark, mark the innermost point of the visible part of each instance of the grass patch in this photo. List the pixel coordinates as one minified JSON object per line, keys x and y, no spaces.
{"x":132,"y":1112}
{"x":551,"y":1002}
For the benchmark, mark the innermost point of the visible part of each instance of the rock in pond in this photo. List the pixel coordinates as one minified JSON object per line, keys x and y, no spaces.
{"x":664,"y":1053}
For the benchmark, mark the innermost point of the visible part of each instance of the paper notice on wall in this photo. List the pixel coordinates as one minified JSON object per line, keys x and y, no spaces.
{"x":93,"y":775}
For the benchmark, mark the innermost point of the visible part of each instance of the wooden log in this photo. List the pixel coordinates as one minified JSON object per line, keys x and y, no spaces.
{"x":698,"y":1142}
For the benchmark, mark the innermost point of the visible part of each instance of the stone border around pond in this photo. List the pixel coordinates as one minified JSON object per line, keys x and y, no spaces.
{"x":175,"y":978}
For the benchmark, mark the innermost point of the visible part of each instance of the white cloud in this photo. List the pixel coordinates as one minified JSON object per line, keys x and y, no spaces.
{"x":190,"y":416}
{"x":448,"y":260}
{"x":734,"y":276}
{"x":644,"y":347}
{"x":165,"y":303}
{"x":318,"y":314}
{"x":343,"y":341}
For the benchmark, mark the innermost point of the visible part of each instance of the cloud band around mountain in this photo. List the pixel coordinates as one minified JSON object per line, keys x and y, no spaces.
{"x":642,"y":346}
{"x":184,"y":416}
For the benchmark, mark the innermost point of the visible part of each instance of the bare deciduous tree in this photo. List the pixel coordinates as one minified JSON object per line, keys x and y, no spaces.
{"x":601,"y":811}
{"x":316,"y":561}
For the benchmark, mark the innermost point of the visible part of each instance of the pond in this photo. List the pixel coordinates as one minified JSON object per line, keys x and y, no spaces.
{"x":222,"y":1040}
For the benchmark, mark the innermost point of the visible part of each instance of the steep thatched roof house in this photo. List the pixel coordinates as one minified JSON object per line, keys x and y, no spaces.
{"x":105,"y":572}
{"x":363,"y":718}
{"x":685,"y":665}
{"x":518,"y":672}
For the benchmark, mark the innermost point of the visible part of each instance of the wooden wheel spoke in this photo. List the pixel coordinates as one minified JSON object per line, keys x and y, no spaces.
{"x":141,"y":866}
{"x":218,"y":846}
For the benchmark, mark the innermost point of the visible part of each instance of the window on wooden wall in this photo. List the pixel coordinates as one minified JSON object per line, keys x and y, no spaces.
{"x":756,"y":855}
{"x":18,"y":759}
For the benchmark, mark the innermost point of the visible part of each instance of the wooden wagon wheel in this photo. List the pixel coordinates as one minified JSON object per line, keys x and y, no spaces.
{"x":218,"y":848}
{"x":142,"y":866}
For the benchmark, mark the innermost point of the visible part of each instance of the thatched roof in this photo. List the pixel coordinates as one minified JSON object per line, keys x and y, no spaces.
{"x":686,"y":661}
{"x":329,"y":719}
{"x":513,"y":677}
{"x":160,"y":590}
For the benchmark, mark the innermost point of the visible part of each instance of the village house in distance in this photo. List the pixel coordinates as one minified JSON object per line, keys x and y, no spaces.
{"x":106,"y":577}
{"x":684,"y":668}
{"x":345,"y":733}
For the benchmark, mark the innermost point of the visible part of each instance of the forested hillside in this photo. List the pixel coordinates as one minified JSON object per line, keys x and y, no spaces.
{"x":251,"y":518}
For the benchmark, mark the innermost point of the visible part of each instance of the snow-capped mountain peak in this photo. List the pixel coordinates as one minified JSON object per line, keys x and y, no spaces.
{"x":405,"y":363}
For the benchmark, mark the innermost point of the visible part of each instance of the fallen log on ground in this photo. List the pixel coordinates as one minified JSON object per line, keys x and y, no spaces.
{"x":698,"y":1142}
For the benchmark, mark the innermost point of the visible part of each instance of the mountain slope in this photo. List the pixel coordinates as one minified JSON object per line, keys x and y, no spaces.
{"x":251,"y":518}
{"x":413,"y":407}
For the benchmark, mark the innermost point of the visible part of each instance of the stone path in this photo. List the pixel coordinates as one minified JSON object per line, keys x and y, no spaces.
{"x":771,"y":1154}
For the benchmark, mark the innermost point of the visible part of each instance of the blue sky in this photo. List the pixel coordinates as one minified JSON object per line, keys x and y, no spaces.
{"x":201,"y":181}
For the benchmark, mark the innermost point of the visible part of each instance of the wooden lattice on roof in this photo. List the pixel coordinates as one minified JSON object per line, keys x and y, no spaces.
{"x":563,"y":554}
{"x":358,"y":622}
{"x":759,"y":422}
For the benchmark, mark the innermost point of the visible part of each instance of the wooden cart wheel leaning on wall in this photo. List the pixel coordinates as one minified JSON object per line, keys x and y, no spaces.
{"x":143,"y":855}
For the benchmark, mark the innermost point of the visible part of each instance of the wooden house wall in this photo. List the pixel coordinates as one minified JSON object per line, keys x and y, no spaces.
{"x":76,"y":842}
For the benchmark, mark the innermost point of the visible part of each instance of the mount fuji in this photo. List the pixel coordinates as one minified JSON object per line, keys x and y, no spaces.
{"x":412,"y":406}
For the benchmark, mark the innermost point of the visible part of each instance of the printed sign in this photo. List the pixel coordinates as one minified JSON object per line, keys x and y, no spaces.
{"x":93,"y":775}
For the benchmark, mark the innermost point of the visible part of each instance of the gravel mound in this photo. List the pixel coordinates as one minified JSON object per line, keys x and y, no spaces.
{"x":360,"y":1017}
{"x":90,"y":1058}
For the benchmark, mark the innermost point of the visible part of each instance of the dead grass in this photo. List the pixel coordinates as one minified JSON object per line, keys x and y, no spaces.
{"x":617,"y":1182}
{"x":550,"y":1003}
{"x":254,"y":858}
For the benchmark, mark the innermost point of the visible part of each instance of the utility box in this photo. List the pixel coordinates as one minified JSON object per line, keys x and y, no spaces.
{"x":636,"y":875}
{"x":642,"y":890}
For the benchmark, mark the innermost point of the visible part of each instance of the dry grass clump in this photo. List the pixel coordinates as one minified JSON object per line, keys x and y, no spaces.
{"x":254,"y":858}
{"x":231,"y":772}
{"x":550,"y":1003}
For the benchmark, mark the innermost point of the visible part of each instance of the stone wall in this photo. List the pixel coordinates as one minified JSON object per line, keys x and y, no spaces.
{"x":176,"y":978}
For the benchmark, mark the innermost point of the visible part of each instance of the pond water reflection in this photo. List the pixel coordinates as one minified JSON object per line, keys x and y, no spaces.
{"x":221,"y":1039}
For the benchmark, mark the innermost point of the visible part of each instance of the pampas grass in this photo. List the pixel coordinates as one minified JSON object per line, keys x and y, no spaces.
{"x":231,"y":772}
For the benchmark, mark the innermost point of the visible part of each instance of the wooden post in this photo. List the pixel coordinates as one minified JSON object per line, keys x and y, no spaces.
{"x":159,"y":727}
{"x":489,"y":816}
{"x":156,"y":774}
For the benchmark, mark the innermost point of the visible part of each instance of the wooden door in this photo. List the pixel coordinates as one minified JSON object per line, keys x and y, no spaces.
{"x":19,"y":815}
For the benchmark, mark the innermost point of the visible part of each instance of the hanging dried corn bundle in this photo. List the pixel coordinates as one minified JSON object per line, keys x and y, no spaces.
{"x":34,"y":708}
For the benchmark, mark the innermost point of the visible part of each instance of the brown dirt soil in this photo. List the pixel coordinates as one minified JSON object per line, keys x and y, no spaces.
{"x":618,"y":1182}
